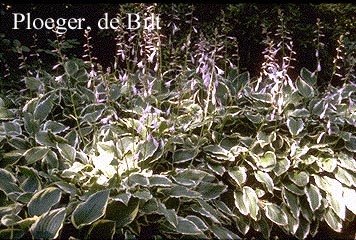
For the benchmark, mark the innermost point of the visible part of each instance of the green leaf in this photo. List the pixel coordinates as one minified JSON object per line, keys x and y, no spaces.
{"x":122,"y":214}
{"x":12,"y":128}
{"x":5,"y":114}
{"x":344,"y":177}
{"x":34,"y":84}
{"x":137,"y":179}
{"x":250,"y":197}
{"x":12,"y":233}
{"x":183,"y":155}
{"x":169,"y":214}
{"x":206,"y":210}
{"x":308,"y":76}
{"x":295,"y":126}
{"x":294,"y":189}
{"x":178,"y":191}
{"x":215,"y":151}
{"x":159,"y":181}
{"x":211,"y":191}
{"x":304,"y":88}
{"x":300,"y":113}
{"x":44,"y":107}
{"x":187,"y":227}
{"x":265,"y":179}
{"x":303,"y":229}
{"x":267,"y":162}
{"x":35,"y":154}
{"x":122,"y":197}
{"x":19,"y":143}
{"x":198,"y":222}
{"x":240,"y":80}
{"x":49,"y":224}
{"x":223,"y":233}
{"x":351,"y":144}
{"x":8,"y":182}
{"x":147,"y":149}
{"x":333,"y":220}
{"x":71,"y":67}
{"x":292,"y":202}
{"x":90,"y":210}
{"x":313,"y":196}
{"x":143,"y":194}
{"x":66,"y":151}
{"x":216,"y":168}
{"x":282,"y":166}
{"x":241,"y":205}
{"x":55,"y":127}
{"x":103,"y":228}
{"x":262,"y":97}
{"x":191,"y":177}
{"x":238,"y":174}
{"x":10,"y":220}
{"x":275,"y":214}
{"x":43,"y":201}
{"x":337,"y":203}
{"x":299,"y":178}
{"x":31,"y":182}
{"x":327,"y":164}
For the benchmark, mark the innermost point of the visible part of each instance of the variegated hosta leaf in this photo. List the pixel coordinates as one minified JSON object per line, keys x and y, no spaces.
{"x":275,"y":214}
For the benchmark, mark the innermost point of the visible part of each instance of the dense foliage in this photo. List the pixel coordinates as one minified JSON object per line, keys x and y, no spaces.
{"x":192,"y":147}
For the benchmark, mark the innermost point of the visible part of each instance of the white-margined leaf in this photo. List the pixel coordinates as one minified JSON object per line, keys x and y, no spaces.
{"x":35,"y":154}
{"x":299,"y":178}
{"x":122,"y":214}
{"x":66,"y":151}
{"x":43,"y":201}
{"x":103,"y":228}
{"x":267,"y":162}
{"x":48,"y":225}
{"x":183,"y":155}
{"x":265,"y":179}
{"x":275,"y":214}
{"x":238,"y":174}
{"x":223,"y":233}
{"x":314,"y":197}
{"x":304,"y":88}
{"x":90,"y":210}
{"x":295,"y":126}
{"x":185,"y":226}
{"x":333,"y":220}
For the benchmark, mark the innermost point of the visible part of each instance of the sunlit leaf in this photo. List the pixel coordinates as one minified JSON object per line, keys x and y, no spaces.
{"x":349,"y":196}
